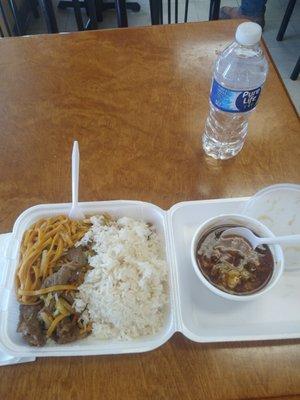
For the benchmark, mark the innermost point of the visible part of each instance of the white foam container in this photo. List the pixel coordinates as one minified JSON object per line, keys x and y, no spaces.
{"x":278,"y":207}
{"x":194,"y":311}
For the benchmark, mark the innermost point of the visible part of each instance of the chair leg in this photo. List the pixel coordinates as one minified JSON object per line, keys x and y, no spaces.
{"x":214,"y":9}
{"x":34,"y":9}
{"x":186,"y":10}
{"x":78,"y":15}
{"x":161,"y":21}
{"x":49,"y":15}
{"x":121,"y":13}
{"x":155,"y":11}
{"x":15,"y":15}
{"x":92,"y":13}
{"x":296,"y":70}
{"x":176,"y":11}
{"x":210,"y":9}
{"x":99,"y":10}
{"x":285,"y":20}
{"x":7,"y":27}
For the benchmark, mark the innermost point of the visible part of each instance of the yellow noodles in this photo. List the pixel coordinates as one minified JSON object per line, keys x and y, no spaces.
{"x":42,"y":246}
{"x":55,"y":322}
{"x":39,"y":292}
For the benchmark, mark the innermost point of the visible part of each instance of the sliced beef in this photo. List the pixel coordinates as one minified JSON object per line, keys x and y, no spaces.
{"x":66,"y":331}
{"x":76,"y":256}
{"x":67,"y":274}
{"x":30,"y":326}
{"x":71,"y":271}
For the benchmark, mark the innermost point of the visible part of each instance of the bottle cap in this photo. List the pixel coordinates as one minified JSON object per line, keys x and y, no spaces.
{"x":248,"y":33}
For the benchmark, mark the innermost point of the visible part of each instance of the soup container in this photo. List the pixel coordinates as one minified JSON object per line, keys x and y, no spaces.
{"x":259,"y":229}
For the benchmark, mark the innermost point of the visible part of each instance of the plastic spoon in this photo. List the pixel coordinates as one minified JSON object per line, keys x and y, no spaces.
{"x":75,"y":212}
{"x":256,"y":241}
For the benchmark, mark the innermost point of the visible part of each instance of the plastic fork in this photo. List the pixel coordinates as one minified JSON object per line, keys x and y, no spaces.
{"x":75,"y":212}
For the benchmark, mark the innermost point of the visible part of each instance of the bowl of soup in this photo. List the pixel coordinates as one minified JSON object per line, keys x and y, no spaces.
{"x":228,"y":265}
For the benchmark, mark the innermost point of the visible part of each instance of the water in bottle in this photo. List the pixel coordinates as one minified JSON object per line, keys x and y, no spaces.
{"x":239,"y":74}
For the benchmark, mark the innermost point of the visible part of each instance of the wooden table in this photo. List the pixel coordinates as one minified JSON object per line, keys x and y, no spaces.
{"x":137,"y":100}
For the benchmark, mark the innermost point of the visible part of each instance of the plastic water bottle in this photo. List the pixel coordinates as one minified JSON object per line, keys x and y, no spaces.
{"x":239,"y":74}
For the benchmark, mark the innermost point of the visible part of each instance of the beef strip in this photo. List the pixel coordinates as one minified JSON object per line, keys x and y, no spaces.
{"x":71,"y":271}
{"x":66,"y":331}
{"x":30,"y":326}
{"x":67,"y":274}
{"x":76,"y":256}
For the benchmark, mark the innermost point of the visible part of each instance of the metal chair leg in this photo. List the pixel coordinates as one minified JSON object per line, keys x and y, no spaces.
{"x":285,"y":20}
{"x":91,"y":10}
{"x":100,"y":6}
{"x":186,"y":10}
{"x":99,"y":9}
{"x":296,"y":71}
{"x":15,"y":15}
{"x":7,"y":27}
{"x":210,"y":9}
{"x":121,"y":13}
{"x":78,"y":15}
{"x":176,"y":11}
{"x":161,"y":18}
{"x":214,"y":9}
{"x":49,"y":15}
{"x":34,"y":9}
{"x":155,"y":11}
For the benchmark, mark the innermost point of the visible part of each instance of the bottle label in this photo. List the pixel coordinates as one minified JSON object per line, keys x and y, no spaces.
{"x":234,"y":101}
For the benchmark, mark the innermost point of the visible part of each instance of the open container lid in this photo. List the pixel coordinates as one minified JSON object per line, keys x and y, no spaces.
{"x":278,"y":207}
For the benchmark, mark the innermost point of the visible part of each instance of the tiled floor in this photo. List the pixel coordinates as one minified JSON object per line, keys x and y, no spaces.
{"x":284,"y":53}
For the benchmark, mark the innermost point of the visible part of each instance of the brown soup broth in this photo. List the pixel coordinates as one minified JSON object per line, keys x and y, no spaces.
{"x":231,"y":264}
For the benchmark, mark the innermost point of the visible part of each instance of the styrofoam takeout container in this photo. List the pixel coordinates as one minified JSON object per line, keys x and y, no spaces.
{"x":13,"y":342}
{"x":196,"y":312}
{"x":278,"y":207}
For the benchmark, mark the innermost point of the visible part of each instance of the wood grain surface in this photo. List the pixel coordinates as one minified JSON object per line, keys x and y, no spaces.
{"x":136,"y":100}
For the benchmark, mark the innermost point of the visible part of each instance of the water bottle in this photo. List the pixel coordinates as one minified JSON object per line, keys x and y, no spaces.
{"x":239,"y":74}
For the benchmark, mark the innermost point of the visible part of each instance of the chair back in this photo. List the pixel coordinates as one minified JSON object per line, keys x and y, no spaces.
{"x":173,"y":15}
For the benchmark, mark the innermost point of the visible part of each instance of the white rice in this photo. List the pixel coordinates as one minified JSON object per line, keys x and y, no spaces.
{"x":126,"y":292}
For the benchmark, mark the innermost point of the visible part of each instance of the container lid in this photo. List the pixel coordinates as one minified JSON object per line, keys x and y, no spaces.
{"x":277,"y":207}
{"x":248,"y":33}
{"x":5,"y":358}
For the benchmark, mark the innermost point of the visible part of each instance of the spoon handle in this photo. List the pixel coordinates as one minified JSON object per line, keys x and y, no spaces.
{"x":75,"y":173}
{"x":289,"y":239}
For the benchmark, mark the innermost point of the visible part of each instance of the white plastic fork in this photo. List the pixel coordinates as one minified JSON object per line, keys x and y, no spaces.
{"x":75,"y":212}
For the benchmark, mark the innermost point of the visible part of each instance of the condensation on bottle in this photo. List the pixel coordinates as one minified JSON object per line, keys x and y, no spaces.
{"x":239,"y":74}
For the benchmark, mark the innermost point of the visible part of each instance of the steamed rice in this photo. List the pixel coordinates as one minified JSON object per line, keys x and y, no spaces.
{"x":126,"y":292}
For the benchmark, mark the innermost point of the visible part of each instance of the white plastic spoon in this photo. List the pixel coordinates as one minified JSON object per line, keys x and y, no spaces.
{"x":75,"y":212}
{"x":256,"y":241}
